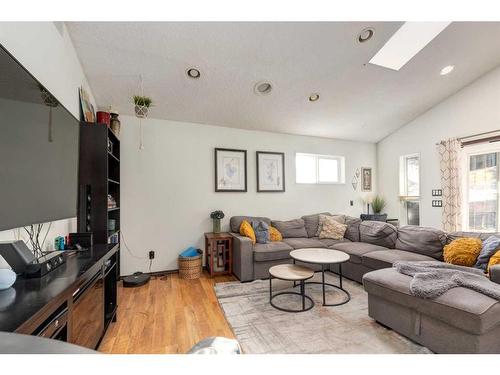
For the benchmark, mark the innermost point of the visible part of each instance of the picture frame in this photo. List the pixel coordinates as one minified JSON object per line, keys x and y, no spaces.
{"x":230,"y":170}
{"x":366,"y":179}
{"x":270,"y":172}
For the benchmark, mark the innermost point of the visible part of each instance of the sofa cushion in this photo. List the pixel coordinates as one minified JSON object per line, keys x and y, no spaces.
{"x":331,"y":228}
{"x":385,"y":258}
{"x":322,"y":218}
{"x":490,"y":246}
{"x":274,"y":234}
{"x":352,"y":231}
{"x":328,"y":242}
{"x":357,"y":249}
{"x":301,"y":243}
{"x":481,"y":235}
{"x":263,"y":252}
{"x":235,"y":221}
{"x":462,"y":251}
{"x":311,"y":223}
{"x":261,"y":230}
{"x":460,"y":307}
{"x":246,"y":230}
{"x":291,"y":228}
{"x":378,"y":233}
{"x":421,"y":240}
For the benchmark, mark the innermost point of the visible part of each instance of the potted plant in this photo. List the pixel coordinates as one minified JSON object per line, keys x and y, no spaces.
{"x":216,"y":216}
{"x":142,"y":104}
{"x":378,"y":204}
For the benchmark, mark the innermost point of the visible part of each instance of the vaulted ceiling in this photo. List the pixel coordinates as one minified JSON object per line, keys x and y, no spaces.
{"x":358,"y":101}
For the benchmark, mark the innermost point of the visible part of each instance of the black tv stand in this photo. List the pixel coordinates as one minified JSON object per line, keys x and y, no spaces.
{"x":74,"y":303}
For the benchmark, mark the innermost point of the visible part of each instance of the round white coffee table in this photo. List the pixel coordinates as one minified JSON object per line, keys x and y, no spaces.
{"x":295,"y":273}
{"x":324,"y":257}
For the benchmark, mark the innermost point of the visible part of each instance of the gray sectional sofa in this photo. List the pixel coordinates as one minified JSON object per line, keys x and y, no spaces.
{"x":372,"y":245}
{"x":459,"y":321}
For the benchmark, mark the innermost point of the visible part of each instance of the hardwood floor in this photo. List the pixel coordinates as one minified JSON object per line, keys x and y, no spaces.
{"x":168,"y":315}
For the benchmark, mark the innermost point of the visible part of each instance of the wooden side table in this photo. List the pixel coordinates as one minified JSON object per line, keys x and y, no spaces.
{"x":219,"y":253}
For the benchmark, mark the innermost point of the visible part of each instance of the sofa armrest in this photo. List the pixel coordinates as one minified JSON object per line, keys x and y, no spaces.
{"x":495,"y":273}
{"x":242,"y":257}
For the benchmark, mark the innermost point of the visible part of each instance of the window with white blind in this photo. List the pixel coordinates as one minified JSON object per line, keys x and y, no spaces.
{"x":409,"y":187}
{"x":319,"y":169}
{"x":481,"y":188}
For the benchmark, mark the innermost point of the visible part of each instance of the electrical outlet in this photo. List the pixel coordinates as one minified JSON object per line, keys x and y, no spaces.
{"x":151,"y":254}
{"x":351,"y":203}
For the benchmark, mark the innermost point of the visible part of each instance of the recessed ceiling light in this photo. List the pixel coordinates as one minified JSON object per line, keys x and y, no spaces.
{"x":409,"y":40}
{"x":193,"y":73}
{"x":263,"y":88}
{"x":447,"y":69}
{"x":314,"y":97}
{"x":366,"y":34}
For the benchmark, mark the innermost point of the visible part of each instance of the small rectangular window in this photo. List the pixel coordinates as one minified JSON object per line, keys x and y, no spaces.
{"x":319,"y":169}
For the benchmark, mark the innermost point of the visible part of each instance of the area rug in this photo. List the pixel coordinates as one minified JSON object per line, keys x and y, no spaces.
{"x":260,"y":328}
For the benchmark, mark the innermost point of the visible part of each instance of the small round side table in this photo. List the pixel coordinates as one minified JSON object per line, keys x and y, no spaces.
{"x":295,"y":273}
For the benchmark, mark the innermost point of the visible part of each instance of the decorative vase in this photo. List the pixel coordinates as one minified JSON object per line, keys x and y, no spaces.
{"x":216,"y":223}
{"x":141,"y":111}
{"x":115,"y":124}
{"x":7,"y":278}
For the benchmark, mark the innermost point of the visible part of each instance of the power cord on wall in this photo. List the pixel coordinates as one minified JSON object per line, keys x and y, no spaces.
{"x":132,"y":254}
{"x":128,"y":249}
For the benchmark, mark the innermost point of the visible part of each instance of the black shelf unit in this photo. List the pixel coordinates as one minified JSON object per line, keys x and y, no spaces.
{"x":99,"y":177}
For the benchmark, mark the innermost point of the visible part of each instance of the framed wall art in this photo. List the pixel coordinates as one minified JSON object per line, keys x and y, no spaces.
{"x":366,"y":179}
{"x":230,"y":170}
{"x":270,"y":172}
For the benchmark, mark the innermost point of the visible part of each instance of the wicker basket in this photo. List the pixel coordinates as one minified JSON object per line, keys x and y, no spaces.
{"x":190,"y":267}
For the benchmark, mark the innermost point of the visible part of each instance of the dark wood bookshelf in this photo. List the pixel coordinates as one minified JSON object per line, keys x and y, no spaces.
{"x":99,"y":177}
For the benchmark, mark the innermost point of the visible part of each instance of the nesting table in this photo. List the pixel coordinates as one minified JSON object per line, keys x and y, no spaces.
{"x":324,"y":258}
{"x":295,"y":273}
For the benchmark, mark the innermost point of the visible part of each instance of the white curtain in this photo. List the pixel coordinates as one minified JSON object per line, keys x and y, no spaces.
{"x":450,"y":164}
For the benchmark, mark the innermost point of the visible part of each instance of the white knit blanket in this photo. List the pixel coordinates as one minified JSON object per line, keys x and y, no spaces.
{"x":432,"y":279}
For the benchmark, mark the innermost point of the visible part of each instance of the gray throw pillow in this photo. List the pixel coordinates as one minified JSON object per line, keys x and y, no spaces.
{"x":490,"y":247}
{"x":261,"y":229}
{"x":291,"y":228}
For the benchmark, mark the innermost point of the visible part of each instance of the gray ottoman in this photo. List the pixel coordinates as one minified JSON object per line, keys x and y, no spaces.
{"x":459,"y":321}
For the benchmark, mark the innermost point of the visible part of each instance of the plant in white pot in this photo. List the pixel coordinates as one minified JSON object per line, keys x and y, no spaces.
{"x":142,"y":104}
{"x":378,"y":204}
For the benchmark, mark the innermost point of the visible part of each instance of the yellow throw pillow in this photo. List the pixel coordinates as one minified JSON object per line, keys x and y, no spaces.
{"x":247,"y":230}
{"x":463,"y":251}
{"x":495,"y":259}
{"x":274,"y":234}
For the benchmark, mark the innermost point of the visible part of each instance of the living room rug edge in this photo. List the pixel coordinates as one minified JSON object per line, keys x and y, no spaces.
{"x":345,"y":329}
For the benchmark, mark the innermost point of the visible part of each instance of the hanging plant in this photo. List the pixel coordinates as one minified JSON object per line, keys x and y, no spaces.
{"x":51,"y":102}
{"x":142,"y":104}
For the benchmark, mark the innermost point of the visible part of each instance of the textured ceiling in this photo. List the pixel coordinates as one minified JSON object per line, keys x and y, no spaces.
{"x":358,"y":101}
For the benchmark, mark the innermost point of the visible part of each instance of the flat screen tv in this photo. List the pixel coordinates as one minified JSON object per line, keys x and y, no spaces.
{"x":38,"y":150}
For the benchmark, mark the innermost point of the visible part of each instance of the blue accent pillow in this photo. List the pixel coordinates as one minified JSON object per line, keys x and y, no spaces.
{"x":261,"y":229}
{"x":490,"y":247}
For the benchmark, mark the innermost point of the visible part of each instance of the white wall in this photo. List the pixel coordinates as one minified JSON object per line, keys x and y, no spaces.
{"x":474,"y":109}
{"x":167,"y":189}
{"x":46,"y":51}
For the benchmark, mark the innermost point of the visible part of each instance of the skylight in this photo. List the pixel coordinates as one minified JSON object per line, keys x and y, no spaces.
{"x":409,"y":40}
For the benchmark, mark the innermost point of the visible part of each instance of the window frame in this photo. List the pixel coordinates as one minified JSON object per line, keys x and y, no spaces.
{"x":340,"y":172}
{"x":403,"y":185}
{"x":466,"y":153}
